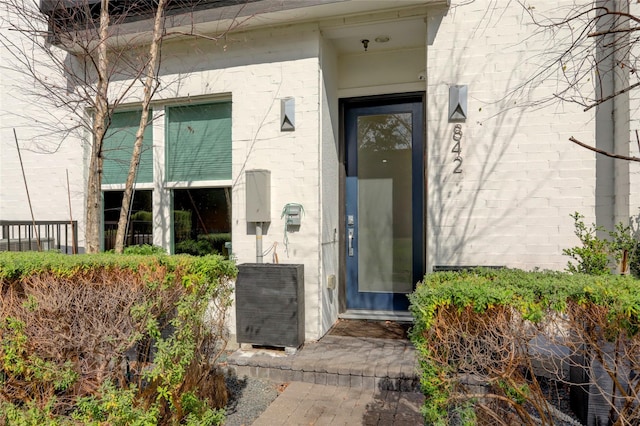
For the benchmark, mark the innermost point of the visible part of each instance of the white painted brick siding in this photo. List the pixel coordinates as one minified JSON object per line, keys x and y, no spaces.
{"x":46,"y":157}
{"x":521,"y":176}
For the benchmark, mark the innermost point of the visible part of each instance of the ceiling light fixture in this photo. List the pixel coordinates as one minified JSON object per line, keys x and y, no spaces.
{"x":382,"y":39}
{"x":365,"y":43}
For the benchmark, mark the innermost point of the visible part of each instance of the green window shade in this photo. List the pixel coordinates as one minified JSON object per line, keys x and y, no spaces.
{"x":118,"y":148}
{"x":199,"y":142}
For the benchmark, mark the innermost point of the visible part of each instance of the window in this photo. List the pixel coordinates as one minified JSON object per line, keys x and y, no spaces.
{"x":196,"y":185}
{"x":140,"y":227}
{"x":199,"y":142}
{"x":202,"y":220}
{"x":118,"y":148}
{"x":198,"y":156}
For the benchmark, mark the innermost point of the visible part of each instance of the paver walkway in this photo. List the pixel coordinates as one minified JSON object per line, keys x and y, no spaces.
{"x":313,"y":404}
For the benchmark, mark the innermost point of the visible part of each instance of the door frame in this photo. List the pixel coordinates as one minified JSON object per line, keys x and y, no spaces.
{"x":365,"y":101}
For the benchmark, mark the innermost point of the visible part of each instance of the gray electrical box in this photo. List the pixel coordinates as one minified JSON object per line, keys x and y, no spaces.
{"x":258,"y":195}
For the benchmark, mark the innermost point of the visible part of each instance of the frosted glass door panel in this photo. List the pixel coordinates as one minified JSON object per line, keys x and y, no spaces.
{"x":375,"y":229}
{"x":385,"y":203}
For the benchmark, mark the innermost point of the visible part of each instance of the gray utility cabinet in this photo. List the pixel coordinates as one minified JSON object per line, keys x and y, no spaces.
{"x":258,"y":195}
{"x":270,"y":304}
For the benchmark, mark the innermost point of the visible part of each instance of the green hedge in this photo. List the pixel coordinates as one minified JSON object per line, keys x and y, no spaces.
{"x":456,"y":310}
{"x":112,"y":339}
{"x":18,"y":265}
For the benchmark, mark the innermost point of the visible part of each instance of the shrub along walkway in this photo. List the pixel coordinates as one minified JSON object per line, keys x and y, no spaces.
{"x":339,"y":380}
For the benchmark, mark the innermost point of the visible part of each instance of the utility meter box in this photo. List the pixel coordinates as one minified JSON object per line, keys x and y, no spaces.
{"x":292,"y":213}
{"x":258,"y":184}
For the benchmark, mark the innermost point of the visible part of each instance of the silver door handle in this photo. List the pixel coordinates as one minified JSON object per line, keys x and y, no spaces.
{"x":350,"y":242}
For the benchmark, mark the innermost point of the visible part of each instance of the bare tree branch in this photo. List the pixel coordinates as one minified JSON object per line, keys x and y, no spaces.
{"x":599,"y":151}
{"x":587,"y":46}
{"x":608,"y":32}
{"x":613,"y":95}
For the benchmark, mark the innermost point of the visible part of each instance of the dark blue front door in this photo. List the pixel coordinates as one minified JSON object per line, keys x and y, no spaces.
{"x":384,"y":190}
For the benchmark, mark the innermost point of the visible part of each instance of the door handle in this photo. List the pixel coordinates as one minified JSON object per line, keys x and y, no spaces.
{"x":350,"y":238}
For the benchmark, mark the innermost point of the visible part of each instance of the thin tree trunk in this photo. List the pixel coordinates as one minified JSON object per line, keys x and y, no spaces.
{"x":94,"y":184}
{"x":149,"y":88}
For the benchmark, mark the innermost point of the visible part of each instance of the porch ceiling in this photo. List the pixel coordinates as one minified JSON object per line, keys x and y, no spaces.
{"x":401,"y":34}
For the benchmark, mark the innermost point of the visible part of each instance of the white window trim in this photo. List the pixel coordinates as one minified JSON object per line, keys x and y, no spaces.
{"x":121,"y":186}
{"x":199,"y":184}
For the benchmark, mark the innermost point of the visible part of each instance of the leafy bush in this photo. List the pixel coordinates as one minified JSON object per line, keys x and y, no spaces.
{"x":194,"y":247}
{"x":114,"y":406}
{"x":217,"y":241}
{"x":205,"y":244}
{"x":144,"y":249}
{"x":593,"y":256}
{"x":111,"y":339}
{"x":596,"y":254}
{"x":483,"y":336}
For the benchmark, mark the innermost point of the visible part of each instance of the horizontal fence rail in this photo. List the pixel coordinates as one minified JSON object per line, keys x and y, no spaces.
{"x":39,"y":235}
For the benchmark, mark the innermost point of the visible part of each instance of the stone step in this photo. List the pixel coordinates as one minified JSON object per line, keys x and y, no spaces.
{"x":367,"y":363}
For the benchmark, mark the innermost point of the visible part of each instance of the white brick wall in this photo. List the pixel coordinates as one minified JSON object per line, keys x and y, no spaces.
{"x":521,"y":176}
{"x":330,"y":224}
{"x":257,"y":70}
{"x":47,"y":155}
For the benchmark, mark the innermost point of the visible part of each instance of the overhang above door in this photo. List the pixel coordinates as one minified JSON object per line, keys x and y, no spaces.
{"x":381,"y":35}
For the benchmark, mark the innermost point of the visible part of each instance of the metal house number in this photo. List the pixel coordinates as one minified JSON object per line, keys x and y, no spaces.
{"x":457,"y":137}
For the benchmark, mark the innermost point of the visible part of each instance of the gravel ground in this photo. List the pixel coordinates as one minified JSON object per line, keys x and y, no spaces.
{"x":248,"y":398}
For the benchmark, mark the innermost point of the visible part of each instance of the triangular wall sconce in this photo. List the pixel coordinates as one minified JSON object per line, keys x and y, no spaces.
{"x":457,"y":103}
{"x":287,"y":114}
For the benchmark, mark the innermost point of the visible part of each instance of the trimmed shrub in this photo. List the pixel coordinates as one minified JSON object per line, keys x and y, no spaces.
{"x":112,"y":339}
{"x":490,"y":342}
{"x":144,"y":249}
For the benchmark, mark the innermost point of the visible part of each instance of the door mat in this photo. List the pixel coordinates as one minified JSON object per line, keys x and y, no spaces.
{"x":369,"y":328}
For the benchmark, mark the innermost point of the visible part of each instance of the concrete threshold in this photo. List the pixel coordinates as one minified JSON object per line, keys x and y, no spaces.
{"x":356,"y":362}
